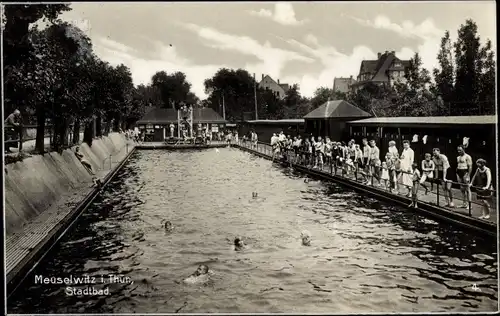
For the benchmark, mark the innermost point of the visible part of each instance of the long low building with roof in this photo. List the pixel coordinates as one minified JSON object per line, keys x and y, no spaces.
{"x":158,"y":123}
{"x":266,"y":128}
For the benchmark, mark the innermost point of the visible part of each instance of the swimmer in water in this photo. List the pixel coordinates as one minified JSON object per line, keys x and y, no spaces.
{"x":168,"y":226}
{"x":201,"y":275}
{"x":238,"y":244}
{"x":306,"y":238}
{"x":202,"y":270}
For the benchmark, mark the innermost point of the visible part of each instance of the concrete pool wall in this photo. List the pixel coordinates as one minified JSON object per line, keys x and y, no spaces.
{"x":46,"y":194}
{"x":35,"y":184}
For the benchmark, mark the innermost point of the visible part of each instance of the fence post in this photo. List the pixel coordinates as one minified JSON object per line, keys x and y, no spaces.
{"x":437,"y":193}
{"x":21,"y":138}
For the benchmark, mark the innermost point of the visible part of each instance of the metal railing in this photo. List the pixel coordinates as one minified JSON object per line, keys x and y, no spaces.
{"x":435,"y":189}
{"x":116,"y":152}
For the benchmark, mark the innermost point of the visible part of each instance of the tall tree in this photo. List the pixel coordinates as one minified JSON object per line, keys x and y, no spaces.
{"x":378,"y":100}
{"x":412,"y":95}
{"x":271,"y":105}
{"x":295,"y":106}
{"x":322,"y":95}
{"x":174,"y":88}
{"x":18,"y":18}
{"x":236,"y":89}
{"x":486,"y":95}
{"x":57,"y":53}
{"x":444,"y":75}
{"x":468,"y":69}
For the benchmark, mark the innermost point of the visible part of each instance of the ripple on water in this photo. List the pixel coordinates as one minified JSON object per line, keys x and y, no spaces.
{"x":392,"y":258}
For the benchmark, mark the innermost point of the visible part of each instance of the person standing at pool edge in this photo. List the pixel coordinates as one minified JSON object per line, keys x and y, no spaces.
{"x":407,"y":159}
{"x":464,"y":169}
{"x":442,"y":165}
{"x":374,"y":161}
{"x":427,"y":172}
{"x":482,"y":178}
{"x":416,"y":183}
{"x":366,"y":160}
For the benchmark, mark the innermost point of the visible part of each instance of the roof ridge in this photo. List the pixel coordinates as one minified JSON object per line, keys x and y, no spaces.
{"x":271,"y":79}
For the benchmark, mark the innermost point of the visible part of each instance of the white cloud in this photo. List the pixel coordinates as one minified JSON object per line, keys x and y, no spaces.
{"x":427,"y":35}
{"x":283,"y":14}
{"x":335,"y":64}
{"x":423,"y":30}
{"x":167,"y":59}
{"x":311,"y":39}
{"x":263,"y":13}
{"x":115,"y":46}
{"x":271,"y":60}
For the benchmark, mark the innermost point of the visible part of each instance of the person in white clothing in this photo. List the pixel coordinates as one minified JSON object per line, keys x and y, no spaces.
{"x":274,"y":139}
{"x":393,"y":150}
{"x":282,"y":137}
{"x":407,"y":158}
{"x":319,"y":149}
{"x":275,"y":145}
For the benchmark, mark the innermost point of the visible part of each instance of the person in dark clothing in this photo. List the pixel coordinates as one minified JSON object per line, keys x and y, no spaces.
{"x":482,"y":179}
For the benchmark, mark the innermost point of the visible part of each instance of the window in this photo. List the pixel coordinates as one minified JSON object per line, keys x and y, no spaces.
{"x":397,"y":64}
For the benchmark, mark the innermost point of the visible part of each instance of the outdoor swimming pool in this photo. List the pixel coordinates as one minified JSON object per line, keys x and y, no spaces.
{"x":366,"y":256}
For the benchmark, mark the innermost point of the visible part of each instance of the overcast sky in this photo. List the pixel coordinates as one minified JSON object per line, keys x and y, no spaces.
{"x":309,"y":43}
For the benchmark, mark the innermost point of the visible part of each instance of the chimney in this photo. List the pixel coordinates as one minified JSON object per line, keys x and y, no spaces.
{"x":379,"y":55}
{"x":393,"y":52}
{"x":278,"y":81}
{"x":262,"y":76}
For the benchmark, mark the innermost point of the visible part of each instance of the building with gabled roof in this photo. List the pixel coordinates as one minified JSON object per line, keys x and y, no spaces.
{"x":330,"y":118}
{"x":279,"y":89}
{"x":386,"y":70}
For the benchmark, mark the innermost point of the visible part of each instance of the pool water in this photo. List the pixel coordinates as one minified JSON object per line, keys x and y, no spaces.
{"x":365,"y":256}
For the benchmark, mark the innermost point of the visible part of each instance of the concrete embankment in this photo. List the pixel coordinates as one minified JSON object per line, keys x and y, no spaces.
{"x":38,"y":182}
{"x":45,"y":193}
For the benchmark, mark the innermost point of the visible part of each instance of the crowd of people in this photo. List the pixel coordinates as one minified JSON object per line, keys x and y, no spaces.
{"x":232,"y":137}
{"x":396,"y":171}
{"x":135,"y":135}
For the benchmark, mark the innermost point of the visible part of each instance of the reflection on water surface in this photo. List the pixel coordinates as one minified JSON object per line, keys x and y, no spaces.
{"x":365,"y":256}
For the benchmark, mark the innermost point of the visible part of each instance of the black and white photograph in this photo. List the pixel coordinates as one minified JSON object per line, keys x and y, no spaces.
{"x":250,"y":157}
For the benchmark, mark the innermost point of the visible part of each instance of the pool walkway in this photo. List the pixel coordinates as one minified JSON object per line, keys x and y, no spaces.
{"x":174,"y":146}
{"x":433,"y":201}
{"x":34,"y":237}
